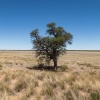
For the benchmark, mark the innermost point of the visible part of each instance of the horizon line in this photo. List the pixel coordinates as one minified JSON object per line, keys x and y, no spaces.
{"x":35,"y":50}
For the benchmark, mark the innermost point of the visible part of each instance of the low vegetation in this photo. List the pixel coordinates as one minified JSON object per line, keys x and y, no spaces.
{"x":74,"y":80}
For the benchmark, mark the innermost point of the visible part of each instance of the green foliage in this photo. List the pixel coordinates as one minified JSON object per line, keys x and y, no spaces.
{"x":63,"y":67}
{"x":47,"y":90}
{"x":21,"y":84}
{"x":95,"y":96}
{"x":0,"y":67}
{"x":53,"y":45}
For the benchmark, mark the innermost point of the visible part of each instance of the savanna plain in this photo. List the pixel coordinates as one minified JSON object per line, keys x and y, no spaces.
{"x":77,"y":78}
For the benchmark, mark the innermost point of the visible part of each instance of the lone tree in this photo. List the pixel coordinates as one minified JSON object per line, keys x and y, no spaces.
{"x":53,"y":45}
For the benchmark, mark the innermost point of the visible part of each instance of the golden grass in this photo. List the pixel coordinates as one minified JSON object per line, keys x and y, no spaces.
{"x":78,"y":77}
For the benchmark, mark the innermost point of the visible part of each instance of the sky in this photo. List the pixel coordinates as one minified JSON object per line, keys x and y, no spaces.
{"x":79,"y":17}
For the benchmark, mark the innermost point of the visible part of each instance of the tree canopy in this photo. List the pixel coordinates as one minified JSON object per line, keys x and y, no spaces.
{"x":53,"y":45}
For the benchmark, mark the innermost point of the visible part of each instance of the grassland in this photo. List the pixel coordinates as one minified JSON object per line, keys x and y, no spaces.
{"x":78,"y":77}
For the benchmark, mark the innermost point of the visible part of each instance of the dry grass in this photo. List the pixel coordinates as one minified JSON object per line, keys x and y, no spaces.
{"x":78,"y":77}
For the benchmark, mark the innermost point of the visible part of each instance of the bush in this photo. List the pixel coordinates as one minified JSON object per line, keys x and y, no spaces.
{"x":21,"y":84}
{"x":0,"y":67}
{"x":95,"y":96}
{"x":47,"y":90}
{"x":63,"y":67}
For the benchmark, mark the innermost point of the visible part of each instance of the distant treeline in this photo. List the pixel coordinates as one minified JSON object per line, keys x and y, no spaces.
{"x":66,"y":50}
{"x":85,"y":50}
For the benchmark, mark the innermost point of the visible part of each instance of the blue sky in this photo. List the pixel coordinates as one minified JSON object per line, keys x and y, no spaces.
{"x":79,"y":17}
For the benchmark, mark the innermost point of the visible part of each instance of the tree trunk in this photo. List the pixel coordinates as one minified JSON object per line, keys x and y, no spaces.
{"x":55,"y":64}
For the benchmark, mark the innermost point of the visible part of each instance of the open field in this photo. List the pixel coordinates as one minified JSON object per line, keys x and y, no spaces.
{"x":78,"y":77}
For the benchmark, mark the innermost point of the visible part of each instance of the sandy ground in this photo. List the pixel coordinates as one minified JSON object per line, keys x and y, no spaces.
{"x":75,"y":60}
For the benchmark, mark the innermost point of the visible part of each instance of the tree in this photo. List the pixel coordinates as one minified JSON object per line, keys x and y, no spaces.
{"x":53,"y":45}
